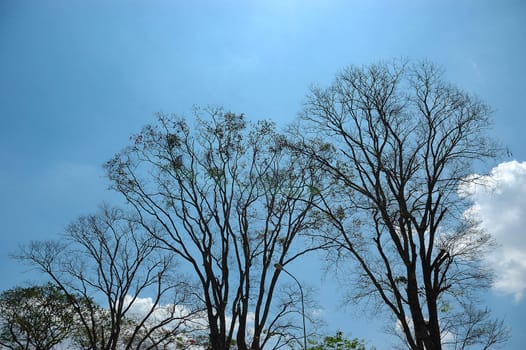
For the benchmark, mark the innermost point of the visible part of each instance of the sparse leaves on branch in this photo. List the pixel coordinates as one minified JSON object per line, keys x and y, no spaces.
{"x":371,"y":174}
{"x":109,"y":258}
{"x":402,"y":140}
{"x":231,"y":200}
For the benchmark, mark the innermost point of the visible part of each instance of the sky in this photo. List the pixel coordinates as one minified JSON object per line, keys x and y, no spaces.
{"x":77,"y":78}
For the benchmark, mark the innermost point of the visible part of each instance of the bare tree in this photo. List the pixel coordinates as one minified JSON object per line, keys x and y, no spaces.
{"x":108,"y":258}
{"x":472,"y":326}
{"x":396,"y":141}
{"x":231,"y":201}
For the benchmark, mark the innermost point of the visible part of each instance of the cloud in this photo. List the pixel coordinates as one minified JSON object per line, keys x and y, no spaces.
{"x":499,"y":202}
{"x":140,"y":307}
{"x":194,"y":324}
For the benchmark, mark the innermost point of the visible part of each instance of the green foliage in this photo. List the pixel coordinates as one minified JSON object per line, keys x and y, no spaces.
{"x":338,"y":342}
{"x":38,"y":317}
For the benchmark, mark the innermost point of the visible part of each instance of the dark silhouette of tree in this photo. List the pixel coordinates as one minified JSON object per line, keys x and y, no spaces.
{"x":229,"y":199}
{"x":36,"y":317}
{"x":108,"y":258}
{"x":396,"y":141}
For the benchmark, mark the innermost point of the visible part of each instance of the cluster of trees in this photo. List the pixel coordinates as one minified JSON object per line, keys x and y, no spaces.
{"x":370,"y":175}
{"x":103,"y":259}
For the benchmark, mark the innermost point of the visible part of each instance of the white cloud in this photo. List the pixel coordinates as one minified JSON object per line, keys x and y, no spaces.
{"x":142,"y":306}
{"x":499,"y":202}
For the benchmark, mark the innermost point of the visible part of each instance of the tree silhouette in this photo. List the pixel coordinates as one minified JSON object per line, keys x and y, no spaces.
{"x":227,"y":197}
{"x":395,"y":141}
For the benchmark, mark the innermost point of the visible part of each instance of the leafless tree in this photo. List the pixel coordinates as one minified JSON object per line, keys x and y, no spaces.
{"x":472,"y":326}
{"x":396,"y":141}
{"x":231,"y":201}
{"x":107,"y":258}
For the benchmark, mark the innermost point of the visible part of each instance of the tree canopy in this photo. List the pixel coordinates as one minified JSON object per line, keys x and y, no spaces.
{"x":35,"y":317}
{"x":337,"y":342}
{"x":395,"y":141}
{"x":228,"y":198}
{"x":108,"y":257}
{"x":371,"y":175}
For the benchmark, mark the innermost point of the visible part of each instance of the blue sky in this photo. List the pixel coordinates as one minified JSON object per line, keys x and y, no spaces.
{"x":78,"y":77}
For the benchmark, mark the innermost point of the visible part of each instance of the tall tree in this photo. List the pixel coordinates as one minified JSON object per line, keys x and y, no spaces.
{"x":36,"y":317}
{"x":108,"y":257}
{"x":396,"y":141}
{"x":231,"y":200}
